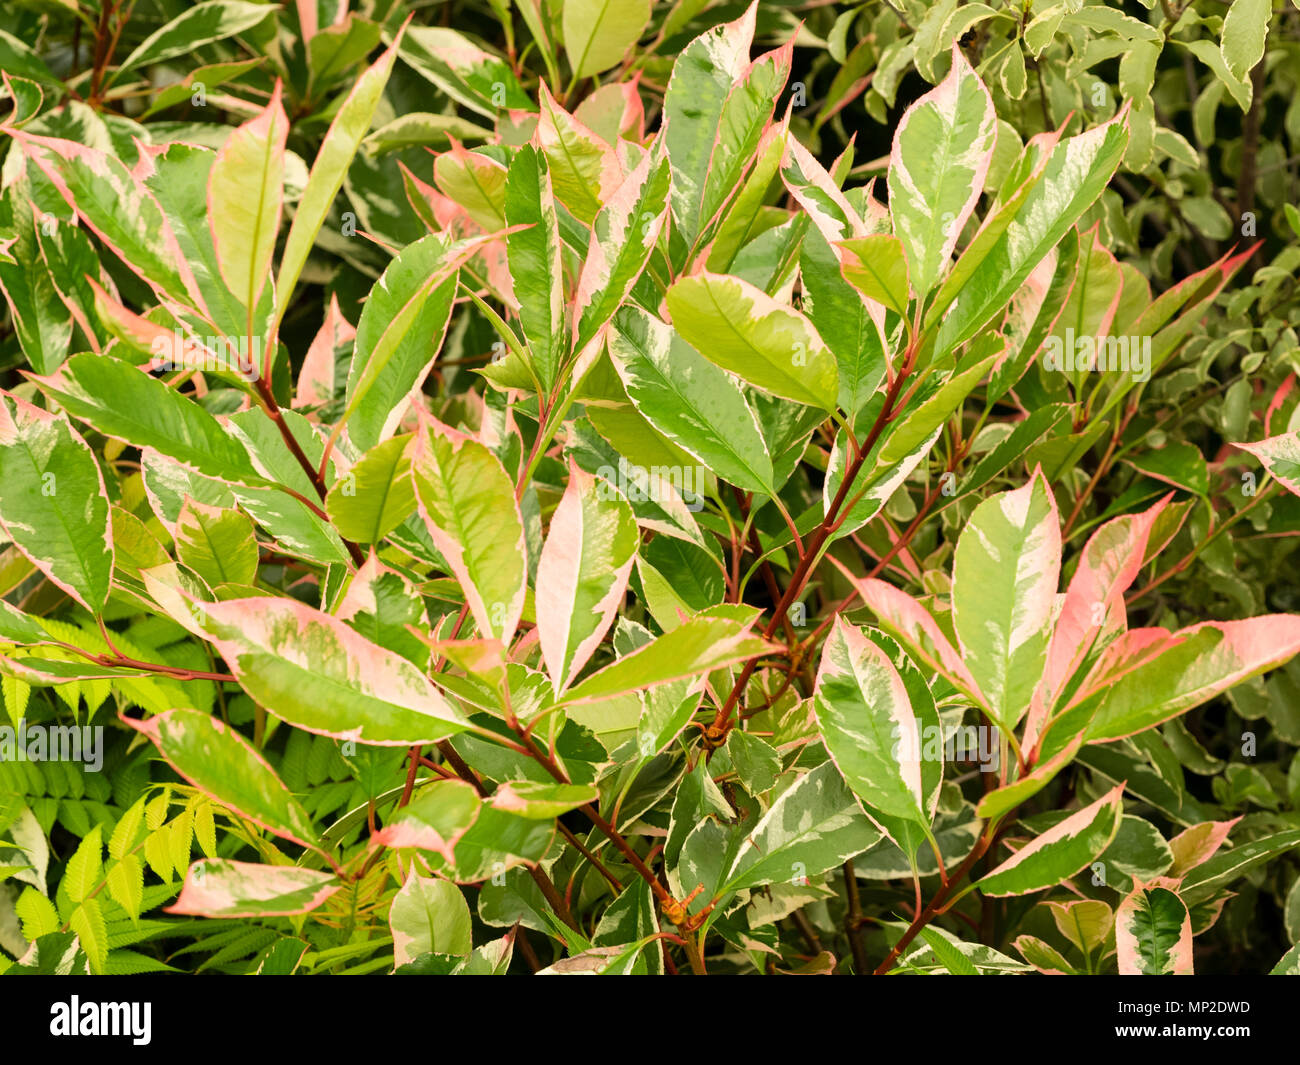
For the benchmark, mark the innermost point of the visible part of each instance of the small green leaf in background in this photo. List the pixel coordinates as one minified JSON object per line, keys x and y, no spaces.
{"x":597,"y":33}
{"x":1244,"y":31}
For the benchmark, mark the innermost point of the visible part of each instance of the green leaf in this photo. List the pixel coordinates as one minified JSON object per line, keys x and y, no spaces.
{"x":1241,"y":89}
{"x":1281,"y":457}
{"x":201,"y":24}
{"x":399,"y":334}
{"x":876,"y":267}
{"x":126,"y":884}
{"x":118,"y":207}
{"x":1153,"y":934}
{"x":744,"y":121}
{"x":582,"y":574}
{"x":584,"y":169}
{"x":843,"y":320}
{"x":696,"y":646}
{"x":333,"y":49}
{"x":53,"y":504}
{"x":1044,"y":957}
{"x":37,"y":913}
{"x":1148,"y":676}
{"x":209,"y":76}
{"x":690,"y":400}
{"x":949,"y":956}
{"x":1019,"y":234}
{"x":81,"y":876}
{"x":745,"y":218}
{"x":27,"y":97}
{"x":814,"y":825}
{"x":1005,"y":574}
{"x":1008,"y":796}
{"x":121,"y":401}
{"x":421,"y":129}
{"x":882,"y":732}
{"x":384,"y":607}
{"x":597,"y":33}
{"x":18,"y":57}
{"x":701,"y":84}
{"x":87,"y":921}
{"x":315,"y":672}
{"x":429,"y":916}
{"x":756,"y":762}
{"x":1061,"y":851}
{"x":1216,"y":873}
{"x":1245,"y":29}
{"x":434,"y":820}
{"x":376,"y":495}
{"x":1288,"y":964}
{"x":1181,"y":465}
{"x":16,"y":694}
{"x":180,"y":185}
{"x":221,"y":763}
{"x":745,"y":331}
{"x":40,"y":319}
{"x":481,"y":81}
{"x":622,"y":238}
{"x":330,"y":168}
{"x":475,"y":181}
{"x":942,"y":149}
{"x":245,"y":197}
{"x":468,"y":503}
{"x":216,"y":887}
{"x":497,"y":841}
{"x":669,"y":513}
{"x":536,"y":267}
{"x":1084,"y":922}
{"x":539,"y":801}
{"x":217,"y":543}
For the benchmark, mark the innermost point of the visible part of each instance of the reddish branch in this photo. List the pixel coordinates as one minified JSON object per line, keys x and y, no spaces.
{"x":316,"y":476}
{"x":716,"y":734}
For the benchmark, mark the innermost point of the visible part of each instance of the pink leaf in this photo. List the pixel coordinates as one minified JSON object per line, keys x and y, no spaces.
{"x":316,"y":378}
{"x":1110,"y":561}
{"x":1198,"y":844}
{"x":582,"y":575}
{"x":909,"y":622}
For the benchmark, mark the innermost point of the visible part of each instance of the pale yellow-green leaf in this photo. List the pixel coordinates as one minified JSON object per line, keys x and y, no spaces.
{"x":598,"y":33}
{"x":126,"y":834}
{"x":16,"y":694}
{"x":88,"y":922}
{"x":82,"y":873}
{"x":245,"y":196}
{"x":126,"y":884}
{"x":37,"y":913}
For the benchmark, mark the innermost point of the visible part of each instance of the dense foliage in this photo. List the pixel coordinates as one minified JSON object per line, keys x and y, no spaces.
{"x":602,"y":486}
